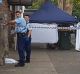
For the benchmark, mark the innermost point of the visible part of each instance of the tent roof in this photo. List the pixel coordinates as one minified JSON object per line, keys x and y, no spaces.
{"x":50,"y":13}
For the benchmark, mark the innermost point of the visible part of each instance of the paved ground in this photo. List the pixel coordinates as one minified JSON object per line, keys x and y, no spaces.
{"x":65,"y":61}
{"x":40,"y":64}
{"x":47,"y":61}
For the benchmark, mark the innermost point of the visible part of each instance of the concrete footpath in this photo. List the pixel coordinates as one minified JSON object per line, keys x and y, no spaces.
{"x":40,"y":64}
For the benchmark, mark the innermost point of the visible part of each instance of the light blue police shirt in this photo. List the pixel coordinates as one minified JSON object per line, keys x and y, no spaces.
{"x":29,"y":27}
{"x":20,"y":25}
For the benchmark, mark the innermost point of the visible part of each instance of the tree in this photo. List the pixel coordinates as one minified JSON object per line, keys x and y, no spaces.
{"x":4,"y":15}
{"x":76,"y":8}
{"x":37,"y":3}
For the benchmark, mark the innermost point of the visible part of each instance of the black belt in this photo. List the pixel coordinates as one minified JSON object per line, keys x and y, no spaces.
{"x":21,"y":33}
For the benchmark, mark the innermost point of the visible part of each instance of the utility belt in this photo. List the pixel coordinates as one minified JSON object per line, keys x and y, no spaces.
{"x":22,"y":34}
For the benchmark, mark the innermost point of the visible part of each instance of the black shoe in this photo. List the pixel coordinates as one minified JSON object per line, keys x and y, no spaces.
{"x":20,"y":65}
{"x":27,"y":60}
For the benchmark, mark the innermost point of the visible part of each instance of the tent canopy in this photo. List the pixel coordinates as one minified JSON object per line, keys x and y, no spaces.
{"x":50,"y":13}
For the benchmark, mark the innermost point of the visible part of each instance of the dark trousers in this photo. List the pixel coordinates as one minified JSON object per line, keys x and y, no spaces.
{"x":22,"y":42}
{"x":28,"y":49}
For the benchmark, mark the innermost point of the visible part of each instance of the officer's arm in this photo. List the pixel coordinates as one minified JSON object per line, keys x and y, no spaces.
{"x":29,"y":33}
{"x":12,"y":22}
{"x":30,"y":29}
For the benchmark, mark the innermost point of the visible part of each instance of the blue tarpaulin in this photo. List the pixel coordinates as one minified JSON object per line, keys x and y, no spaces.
{"x":49,"y":13}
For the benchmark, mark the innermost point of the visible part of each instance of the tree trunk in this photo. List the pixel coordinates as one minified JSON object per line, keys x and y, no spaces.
{"x":60,"y":4}
{"x":4,"y":14}
{"x":69,"y":6}
{"x":66,"y":5}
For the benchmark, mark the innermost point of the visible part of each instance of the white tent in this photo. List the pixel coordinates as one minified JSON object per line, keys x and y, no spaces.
{"x":44,"y":33}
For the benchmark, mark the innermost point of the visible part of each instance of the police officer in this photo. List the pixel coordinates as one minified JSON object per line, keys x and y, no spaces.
{"x":22,"y":38}
{"x":29,"y":32}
